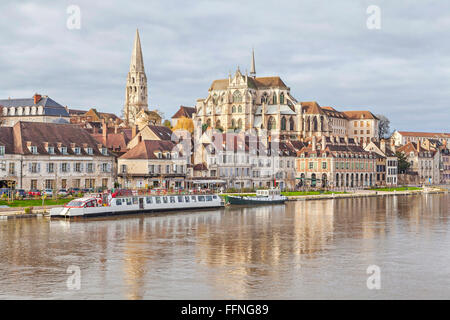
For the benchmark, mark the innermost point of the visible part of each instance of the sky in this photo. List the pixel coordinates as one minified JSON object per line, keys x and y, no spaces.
{"x":323,"y":50}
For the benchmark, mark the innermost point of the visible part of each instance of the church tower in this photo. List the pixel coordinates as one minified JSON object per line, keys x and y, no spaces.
{"x":136,"y":97}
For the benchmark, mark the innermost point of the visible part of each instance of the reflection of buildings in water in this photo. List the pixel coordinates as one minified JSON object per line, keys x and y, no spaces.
{"x":264,"y":242}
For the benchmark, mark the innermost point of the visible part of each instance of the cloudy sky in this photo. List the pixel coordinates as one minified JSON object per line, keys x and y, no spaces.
{"x":323,"y":50}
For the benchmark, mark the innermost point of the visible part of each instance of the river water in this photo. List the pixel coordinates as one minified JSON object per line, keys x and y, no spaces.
{"x":302,"y":250}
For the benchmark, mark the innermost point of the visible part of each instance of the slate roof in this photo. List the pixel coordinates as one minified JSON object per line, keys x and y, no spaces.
{"x":51,"y":107}
{"x":162,"y":132}
{"x":184,"y":112}
{"x":146,"y":149}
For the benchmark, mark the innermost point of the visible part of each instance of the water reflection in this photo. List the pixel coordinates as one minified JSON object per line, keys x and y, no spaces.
{"x":305,"y":249}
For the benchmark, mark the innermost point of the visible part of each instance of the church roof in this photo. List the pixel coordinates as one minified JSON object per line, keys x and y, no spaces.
{"x":257,"y":82}
{"x":137,"y":60}
{"x":311,"y":107}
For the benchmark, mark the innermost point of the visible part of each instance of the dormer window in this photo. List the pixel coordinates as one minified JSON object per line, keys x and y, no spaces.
{"x":63,"y":150}
{"x":51,"y":150}
{"x":159,"y":155}
{"x":89,"y":151}
{"x":77,"y":150}
{"x":104,"y":151}
{"x":33,"y":149}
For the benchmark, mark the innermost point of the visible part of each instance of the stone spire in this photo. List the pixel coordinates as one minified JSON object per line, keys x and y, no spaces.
{"x":253,"y":69}
{"x":137,"y":62}
{"x":136,"y":93}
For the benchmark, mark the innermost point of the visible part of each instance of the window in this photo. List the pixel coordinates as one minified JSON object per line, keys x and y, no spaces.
{"x":118,"y":202}
{"x":50,"y":167}
{"x":158,"y":199}
{"x":2,"y":150}
{"x":237,"y":97}
{"x":165,"y":200}
{"x":77,"y":150}
{"x":64,"y":167}
{"x":12,"y":167}
{"x":151,"y":168}
{"x":148,"y":200}
{"x":324,"y":165}
{"x":104,"y":151}
{"x":201,"y":198}
{"x":123,"y":168}
{"x":311,"y":165}
{"x":64,"y":150}
{"x":34,"y":167}
{"x":172,"y":199}
{"x":282,"y":98}
{"x":90,"y":167}
{"x":51,"y":150}
{"x":33,"y":149}
{"x":77,"y":167}
{"x":274,"y":99}
{"x":129,"y":201}
{"x":186,"y":198}
{"x":90,"y":151}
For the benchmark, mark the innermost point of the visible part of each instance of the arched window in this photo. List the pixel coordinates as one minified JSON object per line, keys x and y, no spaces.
{"x":282,"y":98}
{"x":264,"y":98}
{"x":208,"y":122}
{"x":240,"y":109}
{"x":274,"y":99}
{"x":283,"y":123}
{"x":233,"y":123}
{"x":233,"y":109}
{"x":240,"y":124}
{"x":291,"y":124}
{"x":237,"y":97}
{"x":271,"y":124}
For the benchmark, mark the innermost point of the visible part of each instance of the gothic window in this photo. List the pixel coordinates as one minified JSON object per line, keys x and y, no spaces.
{"x":215,"y":98}
{"x":283,"y":123}
{"x":233,"y":109}
{"x":233,"y":123}
{"x":291,"y":124}
{"x":208,"y":122}
{"x":237,"y":97}
{"x":282,"y":98}
{"x":264,"y":98}
{"x":274,"y":99}
{"x":240,"y":124}
{"x":239,"y":109}
{"x":271,"y":125}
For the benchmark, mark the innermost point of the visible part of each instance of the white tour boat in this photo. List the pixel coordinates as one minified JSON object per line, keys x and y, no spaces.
{"x":265,"y":196}
{"x":91,"y":206}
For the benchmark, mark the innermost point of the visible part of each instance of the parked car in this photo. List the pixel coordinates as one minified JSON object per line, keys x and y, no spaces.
{"x":87,"y":190}
{"x":48,"y":192}
{"x":74,"y":190}
{"x":62,"y":192}
{"x":20,"y":193}
{"x":34,"y":193}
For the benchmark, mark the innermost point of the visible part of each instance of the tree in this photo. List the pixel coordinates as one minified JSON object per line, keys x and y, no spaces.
{"x":184,"y":124}
{"x":403,"y":164}
{"x":167,"y":124}
{"x":383,"y":127}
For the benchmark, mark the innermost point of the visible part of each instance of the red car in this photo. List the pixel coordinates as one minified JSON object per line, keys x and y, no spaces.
{"x":34,"y":193}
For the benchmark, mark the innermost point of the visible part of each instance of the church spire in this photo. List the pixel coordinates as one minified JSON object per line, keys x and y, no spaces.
{"x":253,"y":69}
{"x":137,"y":61}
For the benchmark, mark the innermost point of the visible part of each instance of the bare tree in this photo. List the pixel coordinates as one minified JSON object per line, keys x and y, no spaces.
{"x":383,"y":126}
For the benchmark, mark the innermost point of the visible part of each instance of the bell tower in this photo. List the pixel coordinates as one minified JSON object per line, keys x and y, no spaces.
{"x":136,"y":96}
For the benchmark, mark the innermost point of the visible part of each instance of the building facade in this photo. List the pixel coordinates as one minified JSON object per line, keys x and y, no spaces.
{"x":53,"y":156}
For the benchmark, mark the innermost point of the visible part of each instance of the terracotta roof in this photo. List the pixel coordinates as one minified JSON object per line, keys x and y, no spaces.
{"x":51,"y":133}
{"x":116,"y":142}
{"x":311,"y":107}
{"x":200,"y":167}
{"x":147,"y":149}
{"x":424,"y":134}
{"x":258,"y":82}
{"x":184,"y":112}
{"x":412,"y":147}
{"x":360,"y":115}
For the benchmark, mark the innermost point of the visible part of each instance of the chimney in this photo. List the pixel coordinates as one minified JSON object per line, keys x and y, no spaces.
{"x":36,"y":98}
{"x":313,"y":143}
{"x":346,"y":139}
{"x":116,"y":127}
{"x":46,"y":145}
{"x":383,"y":145}
{"x":418,"y":145}
{"x":104,"y":132}
{"x":324,"y":142}
{"x":28,"y":144}
{"x":134,"y":131}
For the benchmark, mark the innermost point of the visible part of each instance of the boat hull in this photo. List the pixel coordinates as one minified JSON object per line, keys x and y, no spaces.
{"x":246,"y":201}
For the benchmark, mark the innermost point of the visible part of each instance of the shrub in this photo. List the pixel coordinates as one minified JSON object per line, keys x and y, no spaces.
{"x":29,"y":210}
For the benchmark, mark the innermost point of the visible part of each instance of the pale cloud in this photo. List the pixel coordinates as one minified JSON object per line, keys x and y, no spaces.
{"x":321,"y":49}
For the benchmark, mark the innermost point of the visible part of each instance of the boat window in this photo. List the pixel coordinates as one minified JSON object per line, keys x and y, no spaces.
{"x":214,"y":197}
{"x":135,"y":200}
{"x":172,"y":199}
{"x":89,"y":204}
{"x":201,"y":198}
{"x":149,"y":200}
{"x":75,"y":204}
{"x":165,"y":200}
{"x":193,"y":198}
{"x":158,"y":199}
{"x":118,"y":202}
{"x":186,"y":198}
{"x":208,"y":198}
{"x":180,"y":198}
{"x":128,"y":201}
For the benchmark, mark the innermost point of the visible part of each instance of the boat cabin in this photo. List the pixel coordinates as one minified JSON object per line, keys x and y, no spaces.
{"x":268,"y":192}
{"x":83,"y":203}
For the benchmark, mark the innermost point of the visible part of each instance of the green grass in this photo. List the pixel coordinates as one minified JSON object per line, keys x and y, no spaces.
{"x":33,"y":203}
{"x":309,"y":193}
{"x":397,"y":189}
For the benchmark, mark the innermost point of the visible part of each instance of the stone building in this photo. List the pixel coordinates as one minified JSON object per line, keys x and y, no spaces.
{"x":400,"y":138}
{"x":387,"y":164}
{"x":335,"y":162}
{"x":424,"y":161}
{"x":36,"y":109}
{"x":153,"y":164}
{"x":53,"y":156}
{"x":183,"y":112}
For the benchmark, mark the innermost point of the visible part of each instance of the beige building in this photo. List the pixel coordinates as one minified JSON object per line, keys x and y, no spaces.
{"x":387,"y":164}
{"x":152,"y":164}
{"x":401,"y":138}
{"x":53,"y":156}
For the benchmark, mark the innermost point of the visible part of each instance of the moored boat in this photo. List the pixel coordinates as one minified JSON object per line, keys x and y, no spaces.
{"x":270,"y":196}
{"x":132,"y":204}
